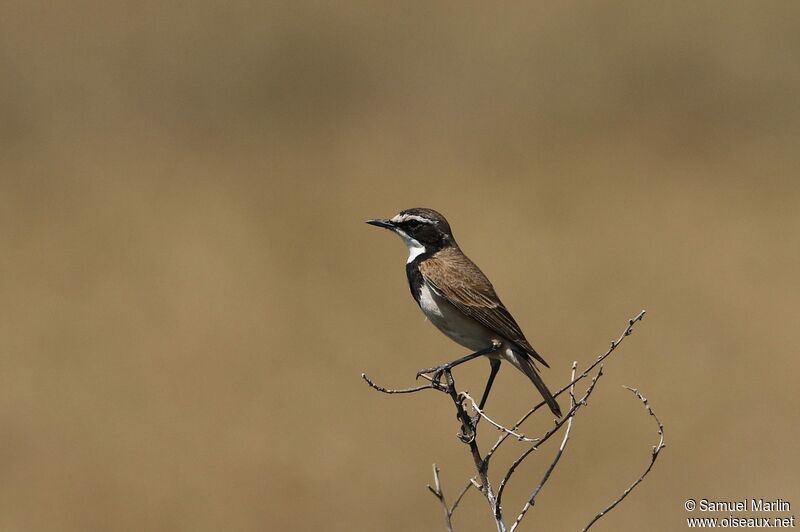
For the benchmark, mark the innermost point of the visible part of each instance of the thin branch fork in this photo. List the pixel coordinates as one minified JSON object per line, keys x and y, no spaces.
{"x":439,"y":494}
{"x":495,"y":424}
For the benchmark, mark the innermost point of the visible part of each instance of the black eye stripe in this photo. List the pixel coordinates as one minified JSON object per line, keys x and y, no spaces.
{"x":413,"y":224}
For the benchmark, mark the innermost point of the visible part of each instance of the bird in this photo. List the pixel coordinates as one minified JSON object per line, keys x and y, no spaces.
{"x":456,"y":297}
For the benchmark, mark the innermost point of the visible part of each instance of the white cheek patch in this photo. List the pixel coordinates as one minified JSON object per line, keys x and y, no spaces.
{"x":414,"y":252}
{"x":415,"y":249}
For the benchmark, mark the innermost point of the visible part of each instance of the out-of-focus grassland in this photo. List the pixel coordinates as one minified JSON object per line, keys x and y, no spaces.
{"x":189,"y":292}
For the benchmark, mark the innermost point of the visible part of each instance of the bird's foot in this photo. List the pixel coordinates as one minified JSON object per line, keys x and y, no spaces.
{"x":436,"y":371}
{"x":467,"y":434}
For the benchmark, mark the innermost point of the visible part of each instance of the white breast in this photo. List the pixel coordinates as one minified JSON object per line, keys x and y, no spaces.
{"x":428,"y":304}
{"x":452,"y":322}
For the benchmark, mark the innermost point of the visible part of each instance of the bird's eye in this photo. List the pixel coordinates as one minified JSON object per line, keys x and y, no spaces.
{"x":413,"y":224}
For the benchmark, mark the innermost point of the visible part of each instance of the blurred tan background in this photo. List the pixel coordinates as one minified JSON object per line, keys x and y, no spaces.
{"x":190,"y":294}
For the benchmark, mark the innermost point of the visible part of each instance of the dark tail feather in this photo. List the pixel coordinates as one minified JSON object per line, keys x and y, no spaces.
{"x":527,"y":367}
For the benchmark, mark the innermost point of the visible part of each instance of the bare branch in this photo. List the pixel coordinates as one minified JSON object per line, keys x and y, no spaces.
{"x":498,"y":426}
{"x":532,"y":499}
{"x":380,"y":388}
{"x":439,"y":494}
{"x":653,"y":457}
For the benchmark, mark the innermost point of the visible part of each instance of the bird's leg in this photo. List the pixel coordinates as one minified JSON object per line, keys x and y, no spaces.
{"x":438,"y":370}
{"x":492,"y":374}
{"x":495,"y":367}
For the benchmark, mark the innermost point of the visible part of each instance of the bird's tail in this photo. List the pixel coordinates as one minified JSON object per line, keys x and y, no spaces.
{"x":526,"y":365}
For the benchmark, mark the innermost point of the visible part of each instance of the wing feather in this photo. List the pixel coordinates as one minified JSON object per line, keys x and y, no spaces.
{"x":457,"y":279}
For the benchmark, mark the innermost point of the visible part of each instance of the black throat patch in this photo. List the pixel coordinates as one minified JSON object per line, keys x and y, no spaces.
{"x":415,"y":279}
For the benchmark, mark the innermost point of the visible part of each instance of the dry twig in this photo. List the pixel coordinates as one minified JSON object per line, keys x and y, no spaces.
{"x":495,"y":424}
{"x":439,"y":494}
{"x":431,"y":386}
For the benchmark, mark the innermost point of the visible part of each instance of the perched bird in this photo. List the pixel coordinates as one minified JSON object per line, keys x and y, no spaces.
{"x":459,"y":300}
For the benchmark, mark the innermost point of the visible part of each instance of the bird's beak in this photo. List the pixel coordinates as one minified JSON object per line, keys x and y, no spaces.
{"x":387,"y":224}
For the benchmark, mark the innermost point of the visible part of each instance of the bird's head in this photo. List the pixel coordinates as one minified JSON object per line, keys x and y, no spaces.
{"x":422,"y":230}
